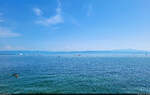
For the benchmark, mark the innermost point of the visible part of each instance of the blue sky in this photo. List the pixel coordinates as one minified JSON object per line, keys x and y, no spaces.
{"x":68,"y":25}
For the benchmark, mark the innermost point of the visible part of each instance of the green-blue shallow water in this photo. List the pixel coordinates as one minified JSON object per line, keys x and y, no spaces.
{"x":74,"y":74}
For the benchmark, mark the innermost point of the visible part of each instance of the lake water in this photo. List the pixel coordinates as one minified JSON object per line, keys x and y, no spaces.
{"x":74,"y":74}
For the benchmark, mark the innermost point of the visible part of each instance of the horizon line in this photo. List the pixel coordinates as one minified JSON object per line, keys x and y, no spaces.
{"x":81,"y":50}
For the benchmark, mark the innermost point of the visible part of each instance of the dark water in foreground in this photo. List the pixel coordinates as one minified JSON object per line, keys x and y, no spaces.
{"x":74,"y":74}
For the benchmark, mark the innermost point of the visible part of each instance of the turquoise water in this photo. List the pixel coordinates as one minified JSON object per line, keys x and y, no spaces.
{"x":75,"y":74}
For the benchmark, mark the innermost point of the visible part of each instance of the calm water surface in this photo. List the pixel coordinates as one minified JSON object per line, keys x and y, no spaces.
{"x":75,"y":74}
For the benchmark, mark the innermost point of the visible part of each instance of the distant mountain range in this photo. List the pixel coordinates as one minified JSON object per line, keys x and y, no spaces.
{"x":73,"y":52}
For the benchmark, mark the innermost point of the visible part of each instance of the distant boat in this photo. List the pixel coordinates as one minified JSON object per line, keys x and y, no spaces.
{"x":20,"y":53}
{"x":79,"y":55}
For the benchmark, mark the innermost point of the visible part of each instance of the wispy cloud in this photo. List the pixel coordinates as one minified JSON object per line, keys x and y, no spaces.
{"x":1,"y":14}
{"x":37,"y":11}
{"x":89,"y":11}
{"x":6,"y":33}
{"x":56,"y":19}
{"x":1,"y":18}
{"x":51,"y":21}
{"x":10,"y":47}
{"x":7,"y":47}
{"x":75,"y":22}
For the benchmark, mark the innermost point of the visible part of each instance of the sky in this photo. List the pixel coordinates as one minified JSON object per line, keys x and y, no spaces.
{"x":74,"y":25}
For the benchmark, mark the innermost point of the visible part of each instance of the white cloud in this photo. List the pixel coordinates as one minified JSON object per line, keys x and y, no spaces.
{"x":89,"y":11}
{"x":37,"y":11}
{"x":56,"y":19}
{"x":6,"y":33}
